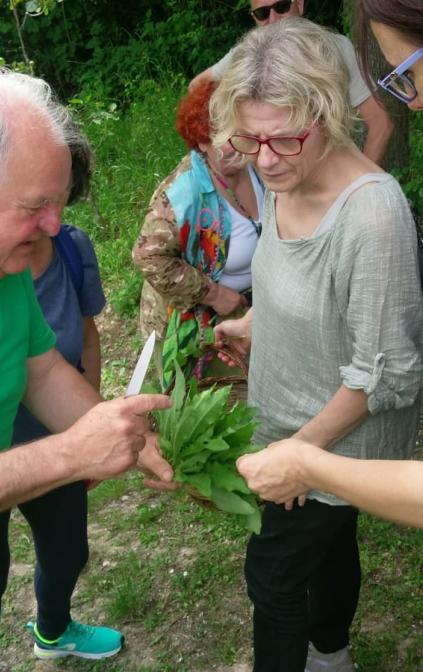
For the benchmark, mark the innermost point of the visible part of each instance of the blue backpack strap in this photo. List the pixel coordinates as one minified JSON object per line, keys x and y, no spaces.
{"x":68,"y":250}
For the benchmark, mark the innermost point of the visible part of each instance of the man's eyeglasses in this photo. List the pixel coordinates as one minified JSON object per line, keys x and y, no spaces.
{"x":263,"y":13}
{"x":399,"y":83}
{"x":282,"y":146}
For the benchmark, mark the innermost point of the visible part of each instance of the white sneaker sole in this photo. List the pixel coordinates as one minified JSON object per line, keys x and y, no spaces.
{"x":50,"y":654}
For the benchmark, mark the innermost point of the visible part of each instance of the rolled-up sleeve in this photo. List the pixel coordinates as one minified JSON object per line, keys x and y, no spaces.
{"x":377,"y":272}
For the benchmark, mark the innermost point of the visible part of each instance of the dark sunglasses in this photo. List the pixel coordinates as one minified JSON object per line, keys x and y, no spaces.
{"x":263,"y":13}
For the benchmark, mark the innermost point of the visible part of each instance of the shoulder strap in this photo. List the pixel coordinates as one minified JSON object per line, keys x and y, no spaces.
{"x":68,"y":250}
{"x":330,"y":217}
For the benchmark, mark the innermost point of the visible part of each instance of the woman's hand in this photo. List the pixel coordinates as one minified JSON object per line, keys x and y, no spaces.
{"x":238,"y":334}
{"x":276,"y":473}
{"x":224,"y":300}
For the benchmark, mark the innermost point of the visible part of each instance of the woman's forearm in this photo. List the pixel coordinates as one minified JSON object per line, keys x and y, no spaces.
{"x":342,"y":414}
{"x":390,"y":489}
{"x":289,"y":468}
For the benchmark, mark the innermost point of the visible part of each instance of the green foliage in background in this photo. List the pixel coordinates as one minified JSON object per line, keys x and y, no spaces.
{"x":111,"y":46}
{"x":411,"y":179}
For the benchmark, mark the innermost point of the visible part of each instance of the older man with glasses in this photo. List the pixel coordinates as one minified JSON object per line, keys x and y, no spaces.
{"x":374,"y":117}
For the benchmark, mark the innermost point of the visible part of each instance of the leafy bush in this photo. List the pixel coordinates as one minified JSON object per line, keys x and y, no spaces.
{"x":412,"y":178}
{"x":111,"y":46}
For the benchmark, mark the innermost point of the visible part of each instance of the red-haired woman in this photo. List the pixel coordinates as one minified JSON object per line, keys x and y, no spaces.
{"x":198,"y":238}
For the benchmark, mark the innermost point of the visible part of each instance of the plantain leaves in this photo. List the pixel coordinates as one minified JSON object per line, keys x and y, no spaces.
{"x":202,"y":438}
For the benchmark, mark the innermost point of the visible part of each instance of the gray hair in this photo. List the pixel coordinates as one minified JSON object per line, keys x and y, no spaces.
{"x":21,"y":95}
{"x":294,"y":64}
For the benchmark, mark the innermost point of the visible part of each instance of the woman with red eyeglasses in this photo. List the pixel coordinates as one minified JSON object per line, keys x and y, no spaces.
{"x":393,"y":490}
{"x":335,"y":332}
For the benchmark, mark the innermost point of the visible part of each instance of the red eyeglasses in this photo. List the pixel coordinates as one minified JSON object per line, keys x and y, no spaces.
{"x":282,"y":145}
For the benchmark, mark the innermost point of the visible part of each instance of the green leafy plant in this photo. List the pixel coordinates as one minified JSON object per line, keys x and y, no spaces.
{"x":202,"y":438}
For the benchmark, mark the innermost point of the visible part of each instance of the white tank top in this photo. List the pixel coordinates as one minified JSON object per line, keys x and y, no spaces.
{"x":243,"y":242}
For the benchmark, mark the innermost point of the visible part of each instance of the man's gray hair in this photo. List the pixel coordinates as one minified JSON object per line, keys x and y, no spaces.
{"x":293,"y":64}
{"x":22,"y":95}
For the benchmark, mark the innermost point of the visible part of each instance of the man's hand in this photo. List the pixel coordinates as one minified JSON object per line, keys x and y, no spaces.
{"x":275,"y":473}
{"x":107,"y":440}
{"x":152,"y":464}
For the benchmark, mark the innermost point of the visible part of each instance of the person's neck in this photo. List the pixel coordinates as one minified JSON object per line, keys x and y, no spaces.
{"x":232,"y":181}
{"x":332,"y":174}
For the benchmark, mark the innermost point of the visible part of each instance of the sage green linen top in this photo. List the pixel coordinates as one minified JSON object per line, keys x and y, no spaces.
{"x":343,"y":306}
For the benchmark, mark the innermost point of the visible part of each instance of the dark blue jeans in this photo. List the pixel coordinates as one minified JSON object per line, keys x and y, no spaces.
{"x":58,"y":521}
{"x":303,"y":577}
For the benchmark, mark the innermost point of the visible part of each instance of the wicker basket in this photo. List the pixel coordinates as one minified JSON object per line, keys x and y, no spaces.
{"x":238,"y":381}
{"x":204,"y":501}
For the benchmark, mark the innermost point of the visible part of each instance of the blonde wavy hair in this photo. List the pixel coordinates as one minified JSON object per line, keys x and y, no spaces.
{"x":293,"y":64}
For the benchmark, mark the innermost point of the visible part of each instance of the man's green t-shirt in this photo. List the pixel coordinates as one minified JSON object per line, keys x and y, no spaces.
{"x":23,"y":333}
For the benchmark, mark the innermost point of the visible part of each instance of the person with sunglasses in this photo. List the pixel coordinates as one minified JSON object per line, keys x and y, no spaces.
{"x":335,"y":331}
{"x":377,"y":123}
{"x":286,"y":469}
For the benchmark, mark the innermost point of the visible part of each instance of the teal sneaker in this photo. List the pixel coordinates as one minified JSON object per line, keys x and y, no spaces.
{"x":83,"y":641}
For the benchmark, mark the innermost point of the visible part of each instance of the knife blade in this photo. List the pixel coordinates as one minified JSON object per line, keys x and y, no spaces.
{"x":141,"y":366}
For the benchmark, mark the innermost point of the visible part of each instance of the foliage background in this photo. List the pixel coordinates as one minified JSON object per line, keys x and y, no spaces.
{"x":114,"y":45}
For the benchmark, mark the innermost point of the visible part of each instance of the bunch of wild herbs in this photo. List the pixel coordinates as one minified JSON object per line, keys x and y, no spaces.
{"x":202,"y":438}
